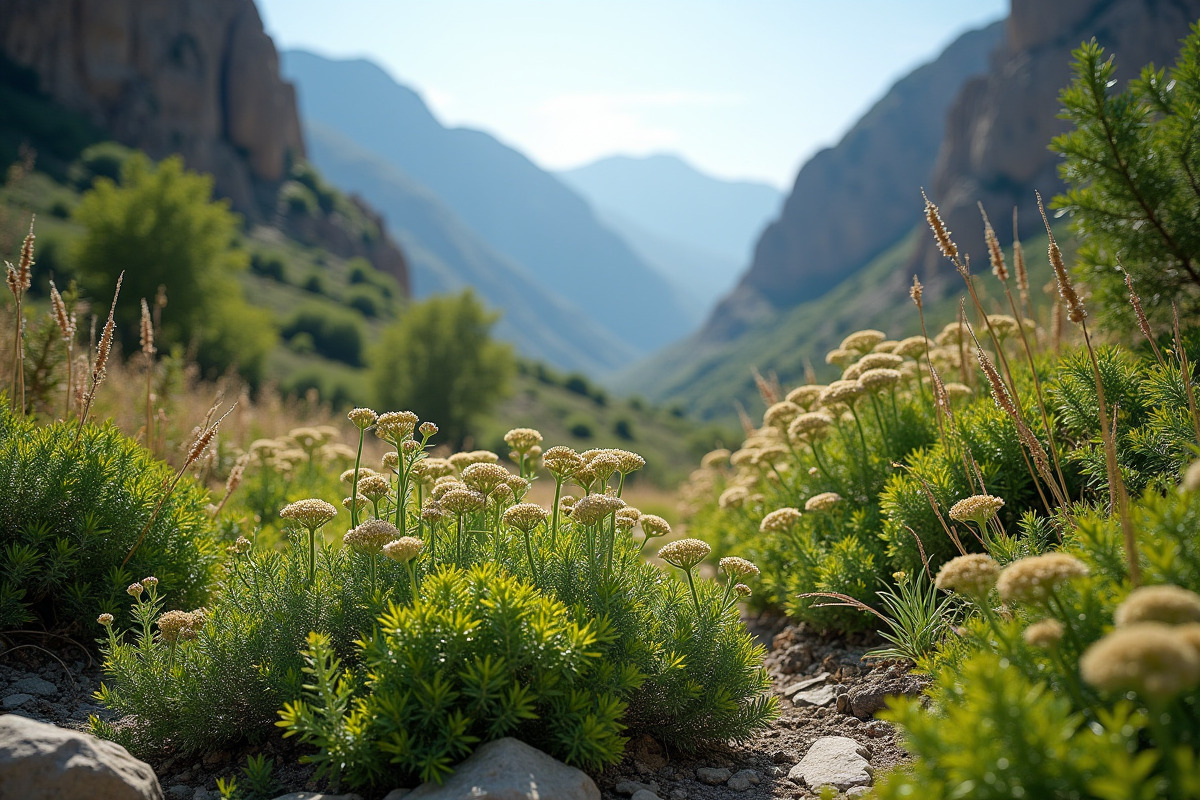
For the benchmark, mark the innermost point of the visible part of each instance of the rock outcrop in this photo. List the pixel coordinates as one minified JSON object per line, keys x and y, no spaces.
{"x":998,"y":130}
{"x":194,"y":77}
{"x":858,"y":198}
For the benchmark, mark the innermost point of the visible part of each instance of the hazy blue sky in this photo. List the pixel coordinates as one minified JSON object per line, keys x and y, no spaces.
{"x":741,"y":88}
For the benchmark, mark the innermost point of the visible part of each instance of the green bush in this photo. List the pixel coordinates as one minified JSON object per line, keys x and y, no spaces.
{"x":69,"y":514}
{"x":476,"y":656}
{"x":336,"y":334}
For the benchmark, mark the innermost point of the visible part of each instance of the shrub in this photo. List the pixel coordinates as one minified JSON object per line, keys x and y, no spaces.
{"x":336,"y":334}
{"x":69,"y":514}
{"x":476,"y":656}
{"x":580,"y":426}
{"x":268,"y":265}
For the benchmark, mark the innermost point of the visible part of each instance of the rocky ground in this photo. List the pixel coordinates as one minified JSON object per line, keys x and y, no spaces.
{"x":825,"y":733}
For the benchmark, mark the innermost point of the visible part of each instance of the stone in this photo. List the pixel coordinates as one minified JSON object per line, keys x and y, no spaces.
{"x":35,"y":686}
{"x":784,"y":757}
{"x":742,"y":780}
{"x":876,"y":728}
{"x":644,"y":794}
{"x":396,"y":794}
{"x":713,"y":776}
{"x":318,"y":796}
{"x":647,"y":752}
{"x":866,"y":701}
{"x":630,"y":788}
{"x":821,"y":696}
{"x":804,"y":685}
{"x":836,"y":761}
{"x":17,"y":700}
{"x":509,"y":769}
{"x":795,"y":659}
{"x":678,"y":794}
{"x":43,"y":762}
{"x":179,"y":791}
{"x":858,"y":791}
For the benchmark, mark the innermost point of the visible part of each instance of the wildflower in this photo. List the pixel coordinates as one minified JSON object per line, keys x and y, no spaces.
{"x":862,"y":341}
{"x":595,"y":507}
{"x":567,"y":502}
{"x":432,"y":512}
{"x":521,"y":439}
{"x":359,"y":503}
{"x":1003,"y":325}
{"x":485,"y":477}
{"x":736,"y":567}
{"x":428,"y":430}
{"x":840,"y":357}
{"x":973,"y":575}
{"x":241,"y":545}
{"x":105,"y":619}
{"x":430,"y":469}
{"x":1189,"y":634}
{"x":842,"y":392}
{"x":956,"y":391}
{"x":880,"y":378}
{"x":628,"y":461}
{"x":742,"y":590}
{"x":978,"y":508}
{"x":1191,"y":478}
{"x":134,"y":590}
{"x":307,"y":438}
{"x":823,"y":501}
{"x":1147,"y":658}
{"x":311,"y":513}
{"x":1170,"y":605}
{"x":1044,"y":635}
{"x":717,"y":458}
{"x":684,"y":553}
{"x":525,"y":516}
{"x":733,"y":497}
{"x":780,"y":414}
{"x":391,"y":461}
{"x":370,"y":537}
{"x":517,"y":485}
{"x":809,"y":424}
{"x":886,"y":346}
{"x":654,"y":526}
{"x":362,"y":418}
{"x":395,"y":426}
{"x":374,"y":487}
{"x":779,"y":520}
{"x":804,"y":396}
{"x":627,"y":517}
{"x":1033,"y":579}
{"x":912,"y":347}
{"x":879,"y":361}
{"x":562,"y":462}
{"x":404,"y":549}
{"x":409,"y":447}
{"x":462,"y":501}
{"x":176,"y":625}
{"x":149,"y":582}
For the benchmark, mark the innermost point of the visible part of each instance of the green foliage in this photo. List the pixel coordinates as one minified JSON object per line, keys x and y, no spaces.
{"x":69,"y":514}
{"x":161,"y":228}
{"x":918,"y":620}
{"x":1131,"y":165}
{"x":336,"y":334}
{"x":477,"y":655}
{"x":438,"y":359}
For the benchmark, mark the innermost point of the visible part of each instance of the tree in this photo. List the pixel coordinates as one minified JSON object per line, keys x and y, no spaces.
{"x":1132,"y":165}
{"x":439,"y":361}
{"x":161,"y":227}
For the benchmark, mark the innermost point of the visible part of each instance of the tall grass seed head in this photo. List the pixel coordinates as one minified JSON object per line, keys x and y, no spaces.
{"x":862,"y":341}
{"x":1148,"y":658}
{"x":973,"y":575}
{"x":779,"y":520}
{"x":823,"y":501}
{"x":525,"y":516}
{"x":370,"y":536}
{"x":1044,"y":635}
{"x":521,"y":439}
{"x":804,"y":396}
{"x":404,"y":549}
{"x":311,"y":513}
{"x":978,"y":508}
{"x":684,"y":553}
{"x":940,"y":232}
{"x":736,"y":567}
{"x":146,"y":333}
{"x":485,"y":477}
{"x":917,"y":291}
{"x":1033,"y":579}
{"x":595,"y":507}
{"x":1168,"y":604}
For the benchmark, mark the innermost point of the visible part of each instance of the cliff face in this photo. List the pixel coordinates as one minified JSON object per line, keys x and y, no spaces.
{"x":854,"y":200}
{"x":998,"y":130}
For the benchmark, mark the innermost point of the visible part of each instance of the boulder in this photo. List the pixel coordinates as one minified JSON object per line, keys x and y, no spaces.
{"x":836,"y":761}
{"x":44,"y":762}
{"x":509,"y":769}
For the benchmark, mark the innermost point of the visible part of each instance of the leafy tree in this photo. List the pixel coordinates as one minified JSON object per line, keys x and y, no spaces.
{"x":1132,"y":164}
{"x":161,"y":227}
{"x":439,"y":361}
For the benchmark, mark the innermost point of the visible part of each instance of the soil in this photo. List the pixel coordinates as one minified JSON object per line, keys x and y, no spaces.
{"x":830,"y":672}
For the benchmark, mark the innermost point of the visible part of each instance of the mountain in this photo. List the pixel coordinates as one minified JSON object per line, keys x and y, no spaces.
{"x":446,"y":255}
{"x":1001,"y":123}
{"x":523,"y":212}
{"x":850,"y":204}
{"x":698,"y":230}
{"x":199,"y":78}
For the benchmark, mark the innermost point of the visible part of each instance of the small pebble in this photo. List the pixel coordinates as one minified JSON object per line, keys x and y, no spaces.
{"x":713,"y":776}
{"x":644,"y":794}
{"x":629,"y":788}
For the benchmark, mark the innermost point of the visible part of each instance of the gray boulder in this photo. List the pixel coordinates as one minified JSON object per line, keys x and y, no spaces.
{"x":836,"y":761}
{"x":44,"y":762}
{"x":509,"y":769}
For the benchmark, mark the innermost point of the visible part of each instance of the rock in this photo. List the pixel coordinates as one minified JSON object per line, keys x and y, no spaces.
{"x":836,"y":761}
{"x":42,"y":762}
{"x":713,"y":776}
{"x":805,"y":684}
{"x":858,"y":791}
{"x":821,"y":696}
{"x":865,"y":701}
{"x":17,"y":700}
{"x":179,"y":791}
{"x":784,"y":757}
{"x":647,"y":752}
{"x":630,"y":788}
{"x":396,"y":794}
{"x":877,"y":728}
{"x":795,"y":659}
{"x":742,"y":780}
{"x":508,"y":769}
{"x":34,"y":685}
{"x":644,"y":794}
{"x":318,"y":796}
{"x":678,"y":794}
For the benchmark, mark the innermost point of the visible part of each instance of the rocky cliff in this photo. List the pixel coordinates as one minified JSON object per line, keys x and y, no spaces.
{"x":998,"y":130}
{"x":195,"y":77}
{"x":854,"y":200}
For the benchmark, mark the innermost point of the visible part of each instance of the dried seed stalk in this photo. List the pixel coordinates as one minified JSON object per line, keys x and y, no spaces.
{"x":102,"y":351}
